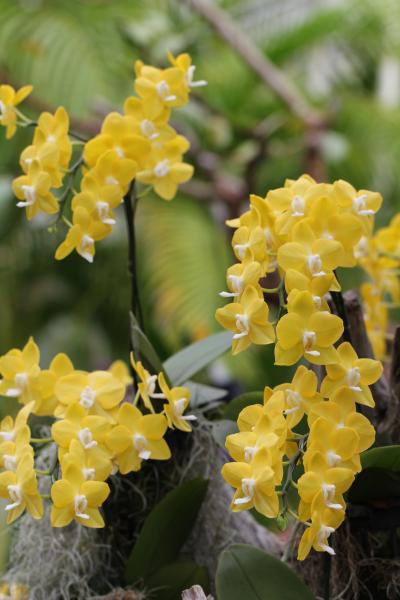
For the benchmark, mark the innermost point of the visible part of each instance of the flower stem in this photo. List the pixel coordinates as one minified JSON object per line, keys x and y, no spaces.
{"x":46,"y":440}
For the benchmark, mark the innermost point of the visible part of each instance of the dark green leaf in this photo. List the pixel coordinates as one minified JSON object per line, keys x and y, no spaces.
{"x":222,"y":428}
{"x":169,"y":582}
{"x":247,"y":573}
{"x":374,"y":484}
{"x":189,"y":361}
{"x":165,"y":530}
{"x":201,"y":395}
{"x":142,"y":347}
{"x":236,"y":405}
{"x":386,"y":457}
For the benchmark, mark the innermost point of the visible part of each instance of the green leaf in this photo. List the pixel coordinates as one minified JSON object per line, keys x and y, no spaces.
{"x":275,"y":525}
{"x":169,"y":582}
{"x":236,"y":405}
{"x":201,"y":395}
{"x":247,"y":573}
{"x":374,"y":484}
{"x":189,"y":361}
{"x":142,"y":347}
{"x":386,"y":457}
{"x":165,"y":530}
{"x":222,"y":428}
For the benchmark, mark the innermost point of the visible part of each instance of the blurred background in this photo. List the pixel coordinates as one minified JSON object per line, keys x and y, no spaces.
{"x":344,"y":58}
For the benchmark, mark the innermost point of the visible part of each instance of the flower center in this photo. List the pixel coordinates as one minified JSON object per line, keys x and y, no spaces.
{"x":314,"y":264}
{"x":293,"y":400}
{"x":360,"y":206}
{"x":119,"y":151}
{"x":7,"y":436}
{"x":237,"y":283}
{"x":248,"y":488}
{"x":148,"y":129}
{"x":241,"y":249}
{"x":164,"y":91}
{"x":80,"y":505}
{"x":309,"y":341}
{"x":353,"y":379}
{"x":88,"y":397}
{"x":329,"y":492}
{"x":189,"y":75}
{"x":110,"y":180}
{"x":243,"y":325}
{"x":29,"y":195}
{"x":2,"y":109}
{"x":140,"y":444}
{"x":332,"y":458}
{"x":87,"y":247}
{"x":85,"y":437}
{"x":10,"y":462}
{"x":88,"y":473}
{"x":21,"y":381}
{"x":249,"y":453}
{"x":51,"y":139}
{"x":15,"y":494}
{"x":298,"y":206}
{"x":103,"y":209}
{"x":162,"y":168}
{"x":322,"y":536}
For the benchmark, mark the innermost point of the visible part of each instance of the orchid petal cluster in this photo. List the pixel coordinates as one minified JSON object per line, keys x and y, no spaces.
{"x":302,"y":232}
{"x":137,"y":145}
{"x":96,"y":429}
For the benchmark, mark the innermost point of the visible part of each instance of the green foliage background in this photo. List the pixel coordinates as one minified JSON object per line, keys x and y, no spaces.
{"x":80,"y":55}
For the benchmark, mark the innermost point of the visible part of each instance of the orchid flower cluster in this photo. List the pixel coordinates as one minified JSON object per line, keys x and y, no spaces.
{"x":97,"y":432}
{"x":305,"y":231}
{"x":138,"y":145}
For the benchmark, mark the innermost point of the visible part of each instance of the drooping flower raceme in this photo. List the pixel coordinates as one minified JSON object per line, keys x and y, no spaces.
{"x":304,"y":231}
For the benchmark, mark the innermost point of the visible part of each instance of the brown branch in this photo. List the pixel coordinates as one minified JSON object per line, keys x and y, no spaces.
{"x":270,"y":74}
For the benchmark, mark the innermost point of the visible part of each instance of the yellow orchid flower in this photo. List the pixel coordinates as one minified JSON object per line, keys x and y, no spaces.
{"x":119,"y":369}
{"x":340,"y":412}
{"x":316,"y":536}
{"x":48,"y":157}
{"x":82,"y":236}
{"x":152,"y":128}
{"x":354,"y":373}
{"x":12,"y":451}
{"x":147,"y":385}
{"x":184,"y":63}
{"x":33,"y":192}
{"x":75,"y":498}
{"x":160,"y":88}
{"x":13,"y":591}
{"x":116,"y":134}
{"x":164,"y":169}
{"x":249,"y":244}
{"x":323,"y":487}
{"x":98,"y":200}
{"x":328,"y":223}
{"x":89,"y":430}
{"x":178,"y":401}
{"x":319,"y":287}
{"x":299,"y":395}
{"x":305,"y":332}
{"x":255,"y":485}
{"x":59,"y":366}
{"x":362,"y":203}
{"x":10,"y":429}
{"x":239,"y":276}
{"x":20,"y":489}
{"x":113,"y":170}
{"x":387,"y":239}
{"x":248,"y":319}
{"x":94,"y":466}
{"x":137,"y":437}
{"x":98,"y":393}
{"x":309,"y":255}
{"x":53,"y":129}
{"x":291,"y":203}
{"x":339,"y":447}
{"x":20,"y":370}
{"x":9,"y":99}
